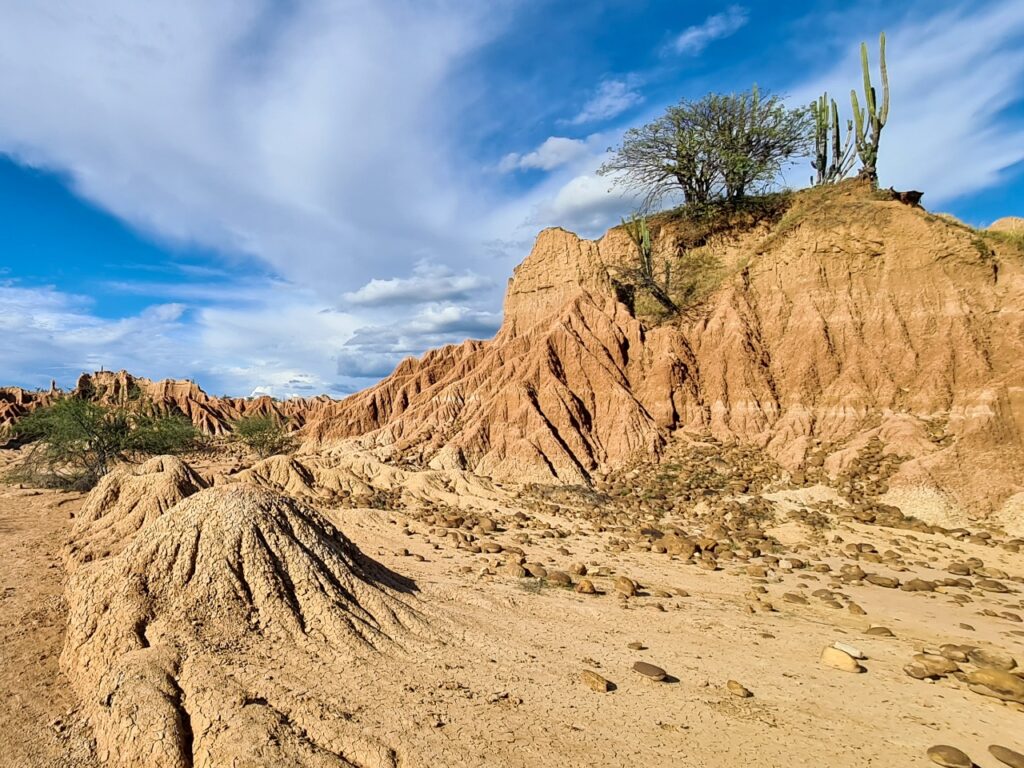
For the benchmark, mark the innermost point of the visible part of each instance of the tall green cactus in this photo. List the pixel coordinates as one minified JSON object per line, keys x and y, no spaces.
{"x":870,"y":121}
{"x":834,"y":167}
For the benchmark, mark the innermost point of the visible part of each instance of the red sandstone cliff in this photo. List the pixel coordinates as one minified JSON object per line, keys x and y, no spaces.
{"x":851,"y":317}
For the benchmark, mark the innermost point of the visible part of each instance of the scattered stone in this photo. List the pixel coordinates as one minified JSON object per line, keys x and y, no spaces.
{"x":950,"y":757}
{"x":559,"y":578}
{"x":889,"y":582}
{"x":536,"y":570}
{"x":997,"y":683}
{"x":991,"y":585}
{"x":837,"y":659}
{"x":595,"y":682}
{"x":586,"y":587}
{"x":848,"y":649}
{"x":650,"y":671}
{"x":980,"y":657}
{"x":878,"y":631}
{"x":625,"y":586}
{"x":792,"y":597}
{"x":737,"y":689}
{"x":636,"y":647}
{"x":955,"y":652}
{"x":918,"y":585}
{"x":927,"y":666}
{"x":1007,"y":756}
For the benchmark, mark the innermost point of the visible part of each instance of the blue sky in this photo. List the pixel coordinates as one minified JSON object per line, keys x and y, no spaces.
{"x":289,"y":197}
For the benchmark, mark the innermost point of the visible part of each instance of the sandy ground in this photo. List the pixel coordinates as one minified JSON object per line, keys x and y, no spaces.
{"x":37,"y":709}
{"x":498,"y":683}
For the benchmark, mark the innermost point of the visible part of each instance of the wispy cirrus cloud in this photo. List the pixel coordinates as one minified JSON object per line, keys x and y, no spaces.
{"x":693,"y":40}
{"x":612,"y":98}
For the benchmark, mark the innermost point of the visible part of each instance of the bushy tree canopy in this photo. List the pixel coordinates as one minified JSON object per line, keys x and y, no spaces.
{"x":74,"y":442}
{"x":265,"y":434}
{"x":721,"y":146}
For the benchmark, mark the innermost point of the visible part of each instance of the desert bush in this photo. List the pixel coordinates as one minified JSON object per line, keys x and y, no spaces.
{"x":723,"y":145}
{"x":75,"y":442}
{"x":265,"y":434}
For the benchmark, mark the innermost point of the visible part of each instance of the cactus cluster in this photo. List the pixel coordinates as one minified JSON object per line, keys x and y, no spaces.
{"x":833,"y":158}
{"x":870,"y":120}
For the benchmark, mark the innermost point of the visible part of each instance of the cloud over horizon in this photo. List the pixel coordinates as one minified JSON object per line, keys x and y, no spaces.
{"x":361,"y":178}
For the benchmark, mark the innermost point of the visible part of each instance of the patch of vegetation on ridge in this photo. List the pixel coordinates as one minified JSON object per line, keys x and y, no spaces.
{"x":690,"y":270}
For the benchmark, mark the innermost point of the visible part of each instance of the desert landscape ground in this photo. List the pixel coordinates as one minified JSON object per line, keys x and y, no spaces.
{"x":784,"y":530}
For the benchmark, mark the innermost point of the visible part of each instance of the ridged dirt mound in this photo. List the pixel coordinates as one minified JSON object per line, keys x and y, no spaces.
{"x":181,"y":646}
{"x":126,"y":499}
{"x":852,"y":317}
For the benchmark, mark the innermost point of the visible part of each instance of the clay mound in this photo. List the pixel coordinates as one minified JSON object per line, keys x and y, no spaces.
{"x":124,"y":501}
{"x":307,"y":478}
{"x":179,"y":646}
{"x":1008,"y":224}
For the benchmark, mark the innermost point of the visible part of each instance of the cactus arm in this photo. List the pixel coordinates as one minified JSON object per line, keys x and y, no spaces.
{"x":884,"y":115}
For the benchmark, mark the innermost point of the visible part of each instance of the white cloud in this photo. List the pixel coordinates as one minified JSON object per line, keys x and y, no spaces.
{"x":587,"y":204}
{"x":613,"y":97}
{"x":56,"y":335}
{"x":555,"y":152}
{"x":292,"y":132}
{"x":951,"y":76}
{"x":427,"y":283}
{"x":693,"y":40}
{"x":374,"y":351}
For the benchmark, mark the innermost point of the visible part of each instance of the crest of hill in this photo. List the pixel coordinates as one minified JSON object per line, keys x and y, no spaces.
{"x":841,"y":317}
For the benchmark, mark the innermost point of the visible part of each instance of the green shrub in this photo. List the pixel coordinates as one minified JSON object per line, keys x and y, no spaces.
{"x":75,"y":442}
{"x":265,"y":434}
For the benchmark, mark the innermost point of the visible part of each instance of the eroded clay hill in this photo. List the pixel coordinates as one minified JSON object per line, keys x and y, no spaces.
{"x":848,"y":319}
{"x":183,"y":647}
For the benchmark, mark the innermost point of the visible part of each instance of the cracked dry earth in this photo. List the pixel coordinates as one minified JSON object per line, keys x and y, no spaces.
{"x":237,"y":626}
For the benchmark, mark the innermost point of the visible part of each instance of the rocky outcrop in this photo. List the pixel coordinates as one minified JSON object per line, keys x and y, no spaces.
{"x":15,"y":402}
{"x":851,"y":318}
{"x":211,"y":415}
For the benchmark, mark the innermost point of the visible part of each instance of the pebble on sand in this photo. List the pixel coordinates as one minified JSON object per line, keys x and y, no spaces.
{"x":649,"y":670}
{"x":837,"y":659}
{"x":950,"y":757}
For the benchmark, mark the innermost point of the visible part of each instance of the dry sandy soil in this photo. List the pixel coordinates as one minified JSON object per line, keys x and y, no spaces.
{"x":475,"y":664}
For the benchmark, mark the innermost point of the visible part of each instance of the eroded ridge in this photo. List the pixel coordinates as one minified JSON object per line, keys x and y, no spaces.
{"x":178,"y":646}
{"x":123,"y":502}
